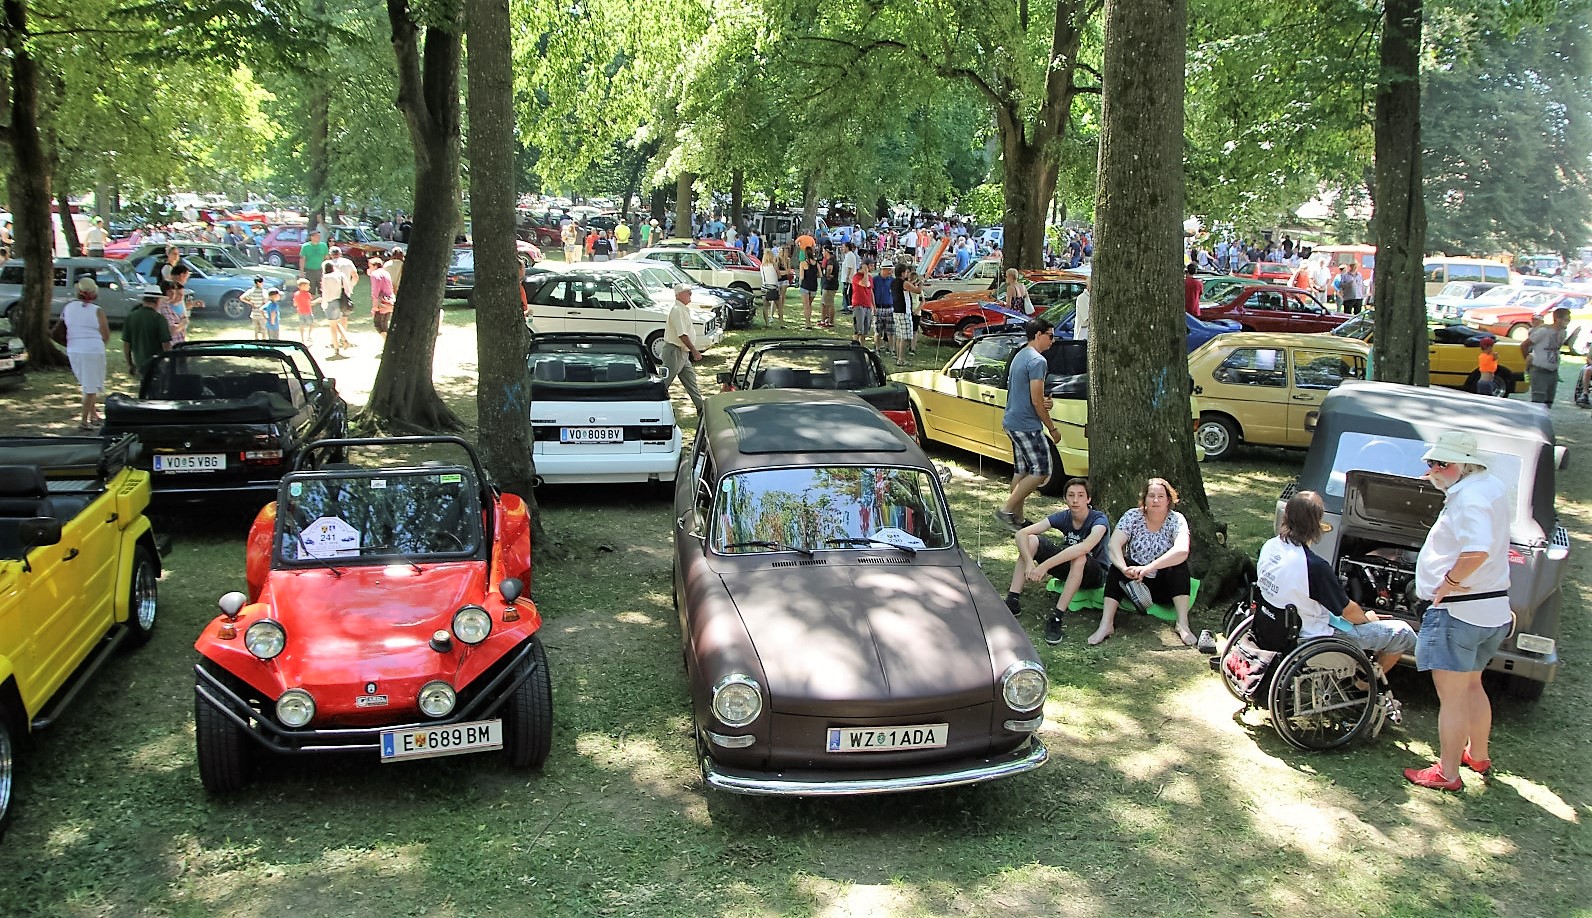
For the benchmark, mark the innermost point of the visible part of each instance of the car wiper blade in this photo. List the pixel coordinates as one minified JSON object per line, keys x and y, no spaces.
{"x":911,"y":552}
{"x":776,"y":546}
{"x":298,"y":537}
{"x":377,"y":549}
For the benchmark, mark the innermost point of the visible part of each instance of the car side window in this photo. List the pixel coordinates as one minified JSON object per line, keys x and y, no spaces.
{"x":11,"y":274}
{"x":601,"y":295}
{"x":554,"y":293}
{"x":1464,"y":272}
{"x":1268,"y":300}
{"x":1325,"y":369}
{"x":60,"y":277}
{"x":986,"y":360}
{"x":1497,"y":274}
{"x":1253,"y":366}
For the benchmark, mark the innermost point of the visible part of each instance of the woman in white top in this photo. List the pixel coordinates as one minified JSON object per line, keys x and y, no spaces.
{"x":86,"y":334}
{"x":333,"y":286}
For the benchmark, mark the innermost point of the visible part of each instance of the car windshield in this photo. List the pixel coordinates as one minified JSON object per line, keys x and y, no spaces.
{"x":1360,"y":327}
{"x":1458,"y":290}
{"x":1499,"y":296}
{"x":829,"y":508}
{"x":586,"y":361}
{"x":203,"y":377}
{"x":811,"y":368}
{"x":663,"y":277}
{"x":463,"y":260}
{"x":378,"y":515}
{"x":232,"y":257}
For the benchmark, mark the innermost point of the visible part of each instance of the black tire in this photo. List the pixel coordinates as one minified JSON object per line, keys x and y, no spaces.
{"x":1237,"y":632}
{"x":8,"y":761}
{"x":143,"y":596}
{"x":1519,"y":688}
{"x":528,"y":714}
{"x":1519,"y":331}
{"x":938,"y":294}
{"x":964,"y":329}
{"x":922,"y":437}
{"x":741,"y":285}
{"x":655,"y":345}
{"x":233,"y":309}
{"x":221,"y":748}
{"x":274,"y":259}
{"x":1217,"y":434}
{"x":1504,"y":382}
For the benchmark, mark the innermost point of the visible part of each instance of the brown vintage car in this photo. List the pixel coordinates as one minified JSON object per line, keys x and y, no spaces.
{"x":838,"y":640}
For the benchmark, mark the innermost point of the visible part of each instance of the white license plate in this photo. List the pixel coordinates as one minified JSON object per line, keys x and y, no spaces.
{"x":8,"y":364}
{"x":887,"y":739}
{"x":431,"y":742}
{"x":190,"y":462}
{"x":591,"y":435}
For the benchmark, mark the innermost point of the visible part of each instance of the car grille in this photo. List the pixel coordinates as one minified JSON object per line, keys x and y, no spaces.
{"x":633,"y":432}
{"x":807,"y":562}
{"x":1288,"y":491}
{"x":1561,"y":538}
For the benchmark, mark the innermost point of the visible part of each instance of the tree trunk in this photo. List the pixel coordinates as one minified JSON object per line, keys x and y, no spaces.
{"x":319,"y":154}
{"x":659,"y":205}
{"x":502,"y":396}
{"x":1399,"y":217}
{"x":428,"y":97}
{"x":1139,"y":421}
{"x":738,"y":200}
{"x":809,"y":205}
{"x":1028,"y":181}
{"x":683,"y":204}
{"x":29,"y":182}
{"x":74,"y":245}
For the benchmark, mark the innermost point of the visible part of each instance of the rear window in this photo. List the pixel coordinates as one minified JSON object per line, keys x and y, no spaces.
{"x":586,"y":362}
{"x":216,"y":376}
{"x":816,"y":368}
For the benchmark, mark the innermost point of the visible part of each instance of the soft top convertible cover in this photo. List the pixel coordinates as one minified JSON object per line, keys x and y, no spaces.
{"x":1383,"y":427}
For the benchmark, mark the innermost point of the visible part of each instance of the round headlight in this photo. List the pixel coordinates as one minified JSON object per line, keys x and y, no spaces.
{"x":265,"y":639}
{"x":295,"y":708}
{"x":471,"y":624}
{"x":737,"y":700}
{"x":1024,"y":686}
{"x":437,"y":698}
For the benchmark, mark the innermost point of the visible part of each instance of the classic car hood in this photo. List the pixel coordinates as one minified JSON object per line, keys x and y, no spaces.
{"x":844,"y":631}
{"x":371,"y":624}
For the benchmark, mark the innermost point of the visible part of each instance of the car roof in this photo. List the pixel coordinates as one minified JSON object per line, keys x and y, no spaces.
{"x":767,"y":428}
{"x":1501,"y":425}
{"x":291,"y":351}
{"x":1319,"y":340}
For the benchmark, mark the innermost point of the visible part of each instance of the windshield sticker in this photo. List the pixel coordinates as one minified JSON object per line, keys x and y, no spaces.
{"x":378,"y":483}
{"x":898,"y":537}
{"x":330,"y":537}
{"x":296,"y":489}
{"x":450,"y":479}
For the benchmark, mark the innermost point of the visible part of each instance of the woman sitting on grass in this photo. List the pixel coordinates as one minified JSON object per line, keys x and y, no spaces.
{"x":1149,"y":560}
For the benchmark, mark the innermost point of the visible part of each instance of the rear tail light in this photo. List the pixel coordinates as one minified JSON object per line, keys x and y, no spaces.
{"x":263,"y":456}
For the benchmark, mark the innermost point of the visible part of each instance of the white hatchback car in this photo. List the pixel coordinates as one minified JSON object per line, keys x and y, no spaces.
{"x":600,"y":410}
{"x":620,"y":298}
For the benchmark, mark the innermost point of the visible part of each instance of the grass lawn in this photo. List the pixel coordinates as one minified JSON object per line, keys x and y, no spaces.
{"x":1158,"y":800}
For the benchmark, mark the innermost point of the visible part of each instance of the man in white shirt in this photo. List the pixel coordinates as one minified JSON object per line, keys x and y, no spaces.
{"x":680,"y":352}
{"x":1080,"y":312}
{"x":94,"y":239}
{"x":849,"y":263}
{"x":345,"y":267}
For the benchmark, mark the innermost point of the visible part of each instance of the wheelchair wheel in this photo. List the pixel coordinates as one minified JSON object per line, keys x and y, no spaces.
{"x":1314,"y":700}
{"x":1241,"y":611}
{"x":1235,"y":633}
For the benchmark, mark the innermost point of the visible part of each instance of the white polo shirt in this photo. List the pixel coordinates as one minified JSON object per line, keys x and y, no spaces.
{"x":1476,"y":516}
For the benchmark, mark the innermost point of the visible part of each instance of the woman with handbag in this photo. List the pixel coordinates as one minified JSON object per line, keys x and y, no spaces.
{"x":86,"y":334}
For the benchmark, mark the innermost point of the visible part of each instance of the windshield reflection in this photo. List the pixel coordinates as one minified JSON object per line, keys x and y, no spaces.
{"x":811,"y":507}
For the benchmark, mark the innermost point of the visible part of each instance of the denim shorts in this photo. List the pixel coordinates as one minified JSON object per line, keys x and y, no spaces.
{"x":1384,"y":636}
{"x":1448,"y":644}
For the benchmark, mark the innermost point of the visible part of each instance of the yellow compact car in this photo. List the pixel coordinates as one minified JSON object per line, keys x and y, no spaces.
{"x":962,"y":403}
{"x":1451,"y":354}
{"x":1266,"y":388}
{"x":78,"y":572}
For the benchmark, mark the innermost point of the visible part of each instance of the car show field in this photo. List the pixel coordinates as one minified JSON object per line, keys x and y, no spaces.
{"x":1156,"y":799}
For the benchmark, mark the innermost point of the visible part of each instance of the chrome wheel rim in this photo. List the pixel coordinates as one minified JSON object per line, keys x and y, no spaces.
{"x":1214,"y":439}
{"x":144,"y":596}
{"x":5,"y":771}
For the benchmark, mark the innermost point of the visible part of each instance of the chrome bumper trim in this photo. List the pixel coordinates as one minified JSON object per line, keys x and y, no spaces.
{"x":794,"y":784}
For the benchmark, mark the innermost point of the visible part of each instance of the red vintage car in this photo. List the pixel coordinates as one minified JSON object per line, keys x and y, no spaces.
{"x":1267,"y":270}
{"x":1273,"y":308}
{"x":281,"y":246}
{"x":385,"y":615}
{"x":955,"y":315}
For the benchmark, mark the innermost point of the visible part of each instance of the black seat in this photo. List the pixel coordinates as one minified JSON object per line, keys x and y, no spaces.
{"x":549,"y":370}
{"x":1276,"y":629}
{"x":623,"y":372}
{"x":185,"y":386}
{"x":775,"y":378}
{"x":24,"y":494}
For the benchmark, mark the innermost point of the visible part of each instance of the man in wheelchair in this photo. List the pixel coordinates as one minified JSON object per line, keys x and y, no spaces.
{"x":1291,"y":574}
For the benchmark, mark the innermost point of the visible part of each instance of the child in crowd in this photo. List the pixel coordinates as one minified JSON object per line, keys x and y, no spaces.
{"x":256,"y":298}
{"x":304,"y":305}
{"x":1486,"y":366}
{"x":272,"y":312}
{"x":1079,"y":560}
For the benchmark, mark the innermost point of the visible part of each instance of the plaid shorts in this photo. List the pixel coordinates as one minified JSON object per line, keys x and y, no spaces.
{"x":903,"y":325}
{"x":1030,"y":452}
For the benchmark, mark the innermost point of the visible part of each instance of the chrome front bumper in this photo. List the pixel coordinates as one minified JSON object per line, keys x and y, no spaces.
{"x":845,"y":783}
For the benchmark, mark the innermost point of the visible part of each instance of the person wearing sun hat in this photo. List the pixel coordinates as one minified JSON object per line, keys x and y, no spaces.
{"x":1462,"y":572}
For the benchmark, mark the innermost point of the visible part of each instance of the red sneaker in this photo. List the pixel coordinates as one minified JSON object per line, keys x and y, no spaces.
{"x":1479,"y":766}
{"x":1432,"y":776}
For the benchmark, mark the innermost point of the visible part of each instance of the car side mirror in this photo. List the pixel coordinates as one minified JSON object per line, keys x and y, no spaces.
{"x":39,"y":532}
{"x":512,"y":589}
{"x":943,"y":472}
{"x":231,"y":604}
{"x":724,"y":380}
{"x":328,"y":383}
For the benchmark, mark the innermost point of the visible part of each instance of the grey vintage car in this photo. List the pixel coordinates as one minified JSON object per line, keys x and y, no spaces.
{"x":838,"y":639}
{"x":1365,"y":462}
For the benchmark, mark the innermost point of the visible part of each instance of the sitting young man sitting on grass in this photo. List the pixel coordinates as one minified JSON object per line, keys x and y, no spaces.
{"x":1082,"y":550}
